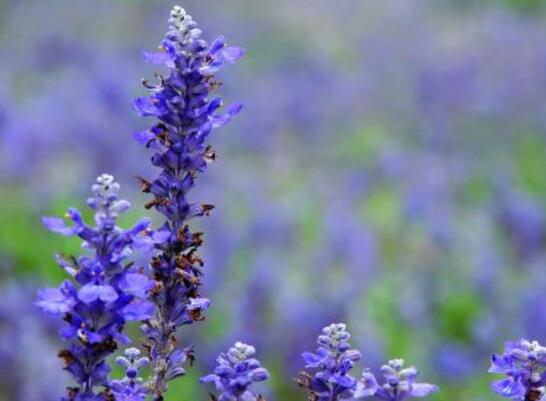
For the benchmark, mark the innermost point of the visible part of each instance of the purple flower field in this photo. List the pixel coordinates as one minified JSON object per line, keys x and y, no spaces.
{"x":242,"y":176}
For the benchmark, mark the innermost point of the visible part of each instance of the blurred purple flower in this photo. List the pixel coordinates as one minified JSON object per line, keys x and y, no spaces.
{"x":330,"y":365}
{"x":399,"y":383}
{"x":236,"y":372}
{"x":523,"y":363}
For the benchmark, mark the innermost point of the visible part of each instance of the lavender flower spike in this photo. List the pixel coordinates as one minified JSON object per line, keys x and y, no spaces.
{"x":331,"y":365}
{"x":186,"y":114}
{"x":399,"y":383}
{"x":236,"y":372}
{"x":524,"y":365}
{"x":105,"y":290}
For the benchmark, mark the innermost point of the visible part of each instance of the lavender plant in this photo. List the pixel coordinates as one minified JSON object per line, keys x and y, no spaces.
{"x":523,"y":363}
{"x":105,"y":292}
{"x":235,"y":373}
{"x":331,"y":381}
{"x":332,"y":362}
{"x":186,"y":114}
{"x":399,"y":383}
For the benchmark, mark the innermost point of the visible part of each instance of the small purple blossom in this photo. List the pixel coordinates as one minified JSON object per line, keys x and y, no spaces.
{"x":131,"y":387}
{"x":186,"y":113}
{"x":54,"y":301}
{"x":105,"y":290}
{"x":523,"y":363}
{"x":399,"y":383}
{"x":331,"y":365}
{"x":235,"y":373}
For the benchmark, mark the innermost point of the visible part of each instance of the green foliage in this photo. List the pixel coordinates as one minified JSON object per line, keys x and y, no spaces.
{"x":530,"y":157}
{"x":27,"y":246}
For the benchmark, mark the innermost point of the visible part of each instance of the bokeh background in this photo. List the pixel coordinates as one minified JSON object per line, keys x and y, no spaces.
{"x":389,"y":171}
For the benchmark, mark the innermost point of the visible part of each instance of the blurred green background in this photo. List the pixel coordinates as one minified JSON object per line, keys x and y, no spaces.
{"x":388,"y":171}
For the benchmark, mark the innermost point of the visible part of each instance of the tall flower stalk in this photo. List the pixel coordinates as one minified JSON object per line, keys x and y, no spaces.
{"x":105,"y":292}
{"x":185,"y":114}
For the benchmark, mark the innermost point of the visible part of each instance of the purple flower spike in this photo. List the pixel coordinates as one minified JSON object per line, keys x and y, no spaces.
{"x":524,"y":365}
{"x":331,"y":381}
{"x":235,"y":373}
{"x":331,"y":365}
{"x":186,"y":114}
{"x":106,"y":292}
{"x":400,"y":382}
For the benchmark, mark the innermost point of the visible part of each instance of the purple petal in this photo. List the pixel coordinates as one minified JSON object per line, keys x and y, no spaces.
{"x":157,"y":57}
{"x":311,"y":360}
{"x":140,"y":226}
{"x":57,"y":225}
{"x":178,"y":357}
{"x":88,"y":293}
{"x":224,"y":118}
{"x":93,"y":337}
{"x":68,"y":332}
{"x":508,"y":388}
{"x":232,"y":54}
{"x":208,"y":378}
{"x":120,"y":207}
{"x":107,"y":293}
{"x":92,"y":292}
{"x":260,"y":374}
{"x":99,"y":375}
{"x":138,"y":310}
{"x":53,"y":301}
{"x":345,"y":381}
{"x":409,"y":373}
{"x":75,"y":215}
{"x":143,"y":137}
{"x":366,"y":387}
{"x":500,"y":364}
{"x":217,"y":45}
{"x":137,"y":284}
{"x":422,"y":389}
{"x":161,"y":236}
{"x":150,"y":106}
{"x":234,"y":108}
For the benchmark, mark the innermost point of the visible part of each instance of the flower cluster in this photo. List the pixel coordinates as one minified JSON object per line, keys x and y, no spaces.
{"x":131,"y":387}
{"x":236,"y":372}
{"x":186,"y":115}
{"x":106,"y":290}
{"x":335,"y":358}
{"x":523,"y":363}
{"x":332,"y":363}
{"x":399,"y":383}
